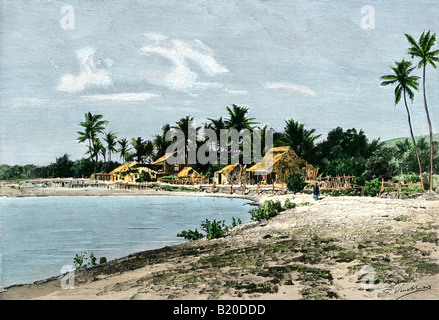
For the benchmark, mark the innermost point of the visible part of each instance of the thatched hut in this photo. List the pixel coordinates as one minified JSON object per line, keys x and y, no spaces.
{"x":163,"y":167}
{"x":230,"y":174}
{"x":189,"y":174}
{"x":285,"y":162}
{"x":131,"y":171}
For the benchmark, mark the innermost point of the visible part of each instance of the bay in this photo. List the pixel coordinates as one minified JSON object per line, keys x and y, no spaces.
{"x":41,"y":235}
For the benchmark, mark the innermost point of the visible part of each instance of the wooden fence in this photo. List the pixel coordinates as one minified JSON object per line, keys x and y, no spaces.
{"x":396,"y":185}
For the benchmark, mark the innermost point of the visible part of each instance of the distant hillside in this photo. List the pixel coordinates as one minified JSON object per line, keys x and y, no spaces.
{"x":392,"y":142}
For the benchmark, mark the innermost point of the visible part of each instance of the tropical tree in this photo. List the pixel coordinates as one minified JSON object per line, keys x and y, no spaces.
{"x":124,"y":149}
{"x":216,"y":125}
{"x":111,"y":140}
{"x":300,"y":139}
{"x":422,"y":49}
{"x":405,"y":85}
{"x":160,"y":142}
{"x":139,"y":149}
{"x":185,"y":125}
{"x":238,"y":118}
{"x":144,"y":150}
{"x":96,"y":149}
{"x":93,"y":125}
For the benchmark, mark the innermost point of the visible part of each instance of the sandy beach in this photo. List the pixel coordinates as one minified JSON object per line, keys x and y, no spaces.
{"x":339,"y":248}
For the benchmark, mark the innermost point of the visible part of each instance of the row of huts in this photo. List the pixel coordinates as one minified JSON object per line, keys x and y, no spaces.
{"x":274,"y":167}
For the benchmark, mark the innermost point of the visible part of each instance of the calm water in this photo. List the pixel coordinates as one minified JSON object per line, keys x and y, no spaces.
{"x":38,"y":236}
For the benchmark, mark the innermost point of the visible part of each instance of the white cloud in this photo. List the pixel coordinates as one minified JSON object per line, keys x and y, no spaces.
{"x":122,"y":96}
{"x":179,"y":75}
{"x":89,"y":73}
{"x":290,"y":87}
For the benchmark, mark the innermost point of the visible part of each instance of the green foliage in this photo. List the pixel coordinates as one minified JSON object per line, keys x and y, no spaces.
{"x":371,"y":188}
{"x":295,"y":182}
{"x":80,"y":260}
{"x":236,"y":222}
{"x":144,"y":176}
{"x":300,"y":139}
{"x":190,"y":235}
{"x":214,"y":229}
{"x":345,"y":152}
{"x":269,"y":209}
{"x":288,"y":204}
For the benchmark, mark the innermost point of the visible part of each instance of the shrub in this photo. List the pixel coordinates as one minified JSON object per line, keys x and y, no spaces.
{"x":214,"y":229}
{"x":190,"y":235}
{"x":144,"y":176}
{"x":371,"y":188}
{"x":295,"y":182}
{"x":80,"y":260}
{"x":288,"y":204}
{"x":268,"y":210}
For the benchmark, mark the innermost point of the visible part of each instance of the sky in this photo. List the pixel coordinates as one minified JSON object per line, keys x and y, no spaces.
{"x":142,"y":64}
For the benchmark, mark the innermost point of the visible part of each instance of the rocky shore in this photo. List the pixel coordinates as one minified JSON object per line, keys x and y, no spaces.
{"x":333,"y":248}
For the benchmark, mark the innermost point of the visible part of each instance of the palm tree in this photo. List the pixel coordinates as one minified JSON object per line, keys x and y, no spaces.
{"x":160,"y":142}
{"x":149,"y":150}
{"x":93,"y":125}
{"x":139,"y":147}
{"x":96,"y":149}
{"x":300,"y":139}
{"x":238,"y":119}
{"x":111,"y":140}
{"x":124,"y":149}
{"x":184,"y":125}
{"x":217,"y":125}
{"x":405,"y":84}
{"x":422,"y":50}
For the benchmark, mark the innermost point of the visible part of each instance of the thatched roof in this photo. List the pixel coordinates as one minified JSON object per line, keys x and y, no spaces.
{"x":161,"y":160}
{"x":131,"y":165}
{"x":227,"y":169}
{"x":124,"y":167}
{"x":285,"y":161}
{"x":188,"y":172}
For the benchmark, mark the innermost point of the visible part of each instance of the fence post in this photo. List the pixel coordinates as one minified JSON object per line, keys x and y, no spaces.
{"x":399,"y":188}
{"x":231,"y":187}
{"x":382,"y":186}
{"x":213,"y":187}
{"x":273,"y":188}
{"x":257,"y":188}
{"x":243,"y":188}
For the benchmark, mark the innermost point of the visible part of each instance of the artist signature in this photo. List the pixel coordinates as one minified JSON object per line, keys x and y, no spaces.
{"x":406,"y":289}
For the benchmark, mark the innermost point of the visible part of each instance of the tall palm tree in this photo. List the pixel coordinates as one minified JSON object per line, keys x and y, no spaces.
{"x":184,"y":124}
{"x":238,"y":118}
{"x":93,"y":125}
{"x":422,"y":50}
{"x":405,"y":84}
{"x":111,"y":140}
{"x":124,"y":149}
{"x":300,"y":139}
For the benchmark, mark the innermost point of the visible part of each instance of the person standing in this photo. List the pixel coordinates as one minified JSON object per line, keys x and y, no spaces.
{"x":316,"y":192}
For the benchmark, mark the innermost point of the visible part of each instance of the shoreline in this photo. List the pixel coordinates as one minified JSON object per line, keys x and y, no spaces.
{"x":313,"y":251}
